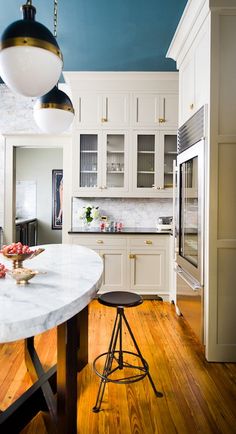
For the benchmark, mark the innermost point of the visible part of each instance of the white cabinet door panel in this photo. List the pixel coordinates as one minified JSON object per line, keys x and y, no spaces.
{"x":168,"y":112}
{"x":88,"y":111}
{"x":114,"y":273}
{"x":148,"y":272}
{"x":146,"y":110}
{"x":115,"y":110}
{"x":187,"y":93}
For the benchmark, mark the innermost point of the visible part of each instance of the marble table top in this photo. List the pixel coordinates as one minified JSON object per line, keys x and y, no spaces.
{"x":73,"y":276}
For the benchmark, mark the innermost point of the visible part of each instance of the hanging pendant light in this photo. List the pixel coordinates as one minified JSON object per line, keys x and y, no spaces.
{"x":54,"y":112}
{"x":30,"y":58}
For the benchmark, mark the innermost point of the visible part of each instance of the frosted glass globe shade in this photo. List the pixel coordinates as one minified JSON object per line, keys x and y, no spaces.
{"x":53,"y":121}
{"x":30,"y":71}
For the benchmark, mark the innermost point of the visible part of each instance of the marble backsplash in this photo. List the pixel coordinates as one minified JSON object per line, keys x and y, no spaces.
{"x":131,"y":212}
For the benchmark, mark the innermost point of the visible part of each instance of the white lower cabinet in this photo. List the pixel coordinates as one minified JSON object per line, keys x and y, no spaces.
{"x":115,"y":269}
{"x":136,"y":263}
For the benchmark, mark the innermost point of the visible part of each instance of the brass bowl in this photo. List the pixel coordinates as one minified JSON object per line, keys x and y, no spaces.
{"x":22,"y":275}
{"x":19,"y":258}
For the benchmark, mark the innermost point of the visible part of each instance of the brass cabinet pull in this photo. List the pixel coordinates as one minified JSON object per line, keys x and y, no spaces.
{"x":191,"y":106}
{"x":161,"y":120}
{"x":102,"y":256}
{"x":103,"y":119}
{"x":132,"y":256}
{"x":99,"y":241}
{"x":148,"y":241}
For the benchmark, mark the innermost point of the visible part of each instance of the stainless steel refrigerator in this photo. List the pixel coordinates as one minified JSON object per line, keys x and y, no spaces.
{"x":190,"y":222}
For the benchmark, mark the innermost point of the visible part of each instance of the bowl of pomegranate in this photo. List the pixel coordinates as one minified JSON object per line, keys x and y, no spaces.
{"x":18,"y":252}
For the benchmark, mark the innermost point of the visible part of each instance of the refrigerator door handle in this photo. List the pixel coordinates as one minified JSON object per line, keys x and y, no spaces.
{"x":194,"y":284}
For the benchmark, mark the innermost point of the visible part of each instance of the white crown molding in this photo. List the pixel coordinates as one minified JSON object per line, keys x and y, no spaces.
{"x":121,"y":81}
{"x":193,"y":18}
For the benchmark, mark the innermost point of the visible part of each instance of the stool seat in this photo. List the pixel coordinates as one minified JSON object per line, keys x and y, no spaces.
{"x":120,"y":299}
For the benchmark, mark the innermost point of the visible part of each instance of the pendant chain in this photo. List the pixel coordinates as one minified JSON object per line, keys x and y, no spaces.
{"x":55,"y":17}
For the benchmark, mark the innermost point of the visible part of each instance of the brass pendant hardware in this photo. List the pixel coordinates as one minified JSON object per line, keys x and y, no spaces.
{"x":132,"y":256}
{"x":148,"y":241}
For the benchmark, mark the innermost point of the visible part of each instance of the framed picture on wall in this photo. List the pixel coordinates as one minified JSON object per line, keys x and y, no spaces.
{"x":57,"y":198}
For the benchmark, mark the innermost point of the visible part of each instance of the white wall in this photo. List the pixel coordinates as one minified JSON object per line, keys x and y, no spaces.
{"x":37,"y":165}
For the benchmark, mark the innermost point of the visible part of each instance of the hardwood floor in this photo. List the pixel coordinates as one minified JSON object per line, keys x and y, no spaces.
{"x":199,"y":397}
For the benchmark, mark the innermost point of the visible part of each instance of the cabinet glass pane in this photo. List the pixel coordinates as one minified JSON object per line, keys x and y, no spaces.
{"x":115,"y":160}
{"x":88,"y":160}
{"x":146,"y":161}
{"x":170,"y":154}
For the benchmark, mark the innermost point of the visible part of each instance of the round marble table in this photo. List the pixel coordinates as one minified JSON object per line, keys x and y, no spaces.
{"x":72,"y":279}
{"x":59,"y":297}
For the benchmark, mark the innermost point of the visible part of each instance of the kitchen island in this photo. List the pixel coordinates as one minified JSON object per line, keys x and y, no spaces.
{"x":57,"y":298}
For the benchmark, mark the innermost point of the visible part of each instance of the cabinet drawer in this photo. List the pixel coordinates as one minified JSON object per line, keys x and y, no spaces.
{"x":99,"y":240}
{"x":149,"y":241}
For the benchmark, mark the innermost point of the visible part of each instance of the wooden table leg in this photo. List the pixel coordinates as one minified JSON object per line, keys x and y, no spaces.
{"x":70,"y":336}
{"x":82,"y":330}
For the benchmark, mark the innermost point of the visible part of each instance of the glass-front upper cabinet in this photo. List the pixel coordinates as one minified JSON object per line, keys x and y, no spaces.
{"x":101,"y":161}
{"x":115,"y":157}
{"x":88,"y":167}
{"x":147,"y":163}
{"x":170,"y":154}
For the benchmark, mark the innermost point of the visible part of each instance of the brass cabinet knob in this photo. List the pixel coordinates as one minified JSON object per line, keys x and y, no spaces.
{"x":132,"y":256}
{"x":99,"y":241}
{"x":103,"y":119}
{"x":148,"y":241}
{"x":191,"y":106}
{"x":161,"y":120}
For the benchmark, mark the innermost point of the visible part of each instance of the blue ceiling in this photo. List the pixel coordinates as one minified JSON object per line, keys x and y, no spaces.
{"x":108,"y":35}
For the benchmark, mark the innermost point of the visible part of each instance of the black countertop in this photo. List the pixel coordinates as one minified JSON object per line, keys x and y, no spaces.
{"x":21,"y":221}
{"x":126,"y":230}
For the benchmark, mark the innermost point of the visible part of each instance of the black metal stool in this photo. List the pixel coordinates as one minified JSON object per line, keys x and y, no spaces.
{"x":120,"y":300}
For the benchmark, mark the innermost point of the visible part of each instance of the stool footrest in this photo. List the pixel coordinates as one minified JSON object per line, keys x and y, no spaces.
{"x":124,"y":380}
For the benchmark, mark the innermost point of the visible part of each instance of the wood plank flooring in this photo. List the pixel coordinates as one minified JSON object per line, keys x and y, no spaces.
{"x":199,"y":397}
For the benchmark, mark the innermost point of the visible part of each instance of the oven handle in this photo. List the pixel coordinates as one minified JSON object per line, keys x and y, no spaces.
{"x":194,"y":284}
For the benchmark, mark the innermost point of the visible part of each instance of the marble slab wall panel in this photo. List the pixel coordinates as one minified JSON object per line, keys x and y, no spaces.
{"x":16,"y":113}
{"x":131,"y":212}
{"x":26,"y":199}
{"x":2,"y":155}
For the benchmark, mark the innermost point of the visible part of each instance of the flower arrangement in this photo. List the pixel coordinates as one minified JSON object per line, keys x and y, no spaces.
{"x":89,"y":213}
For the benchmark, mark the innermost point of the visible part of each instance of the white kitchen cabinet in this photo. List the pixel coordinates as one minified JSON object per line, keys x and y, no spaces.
{"x":148,"y":264}
{"x":115,"y":269}
{"x":168,"y":143}
{"x":100,"y":163}
{"x":132,"y":262}
{"x":108,"y":110}
{"x":88,"y":110}
{"x":112,"y":250}
{"x":194,"y":77}
{"x":146,"y":162}
{"x":115,"y":110}
{"x":154,"y":153}
{"x":155,"y":110}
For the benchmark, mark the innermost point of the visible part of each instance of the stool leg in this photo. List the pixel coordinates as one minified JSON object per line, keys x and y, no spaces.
{"x":120,"y":359}
{"x":159,"y":394}
{"x":108,"y":363}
